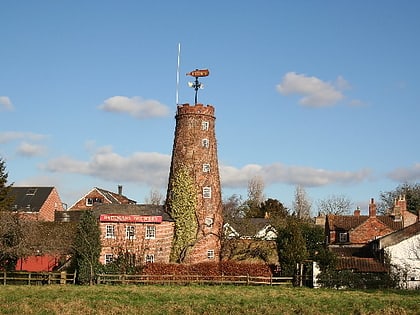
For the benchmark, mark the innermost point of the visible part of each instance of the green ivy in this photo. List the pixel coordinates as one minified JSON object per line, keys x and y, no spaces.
{"x":182,"y":207}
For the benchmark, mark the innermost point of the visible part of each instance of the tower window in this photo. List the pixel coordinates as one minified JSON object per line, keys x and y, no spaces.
{"x":210,"y":254}
{"x":108,"y":258}
{"x":206,"y":192}
{"x":206,"y":168}
{"x":205,"y":143}
{"x":205,"y":125}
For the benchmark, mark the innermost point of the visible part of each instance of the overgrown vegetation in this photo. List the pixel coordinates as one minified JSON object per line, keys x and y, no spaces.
{"x":182,"y":205}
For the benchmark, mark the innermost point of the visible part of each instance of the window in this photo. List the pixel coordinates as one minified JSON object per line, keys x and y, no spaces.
{"x":92,"y":201}
{"x":210,"y":254}
{"x":205,"y":143}
{"x":110,"y":231}
{"x":150,"y":231}
{"x":150,"y":258}
{"x":108,"y":258}
{"x":130,"y":232}
{"x":206,"y":192}
{"x":206,"y":168}
{"x":208,"y":222}
{"x":343,"y":237}
{"x":31,"y":192}
{"x":204,"y":125}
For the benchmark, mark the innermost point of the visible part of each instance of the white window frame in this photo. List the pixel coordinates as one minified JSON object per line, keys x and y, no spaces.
{"x":149,"y":258}
{"x":108,"y":258}
{"x":205,"y":143}
{"x":205,"y":125}
{"x":343,"y":237}
{"x":150,"y":232}
{"x":110,"y":231}
{"x":206,"y":167}
{"x":210,"y":254}
{"x":207,"y":192}
{"x":130,"y":232}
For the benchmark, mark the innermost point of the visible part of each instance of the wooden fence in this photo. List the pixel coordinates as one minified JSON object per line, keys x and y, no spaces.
{"x":190,"y":279}
{"x":37,"y":278}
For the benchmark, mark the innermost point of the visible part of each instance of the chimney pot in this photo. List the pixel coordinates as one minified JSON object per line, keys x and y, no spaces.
{"x":120,"y":187}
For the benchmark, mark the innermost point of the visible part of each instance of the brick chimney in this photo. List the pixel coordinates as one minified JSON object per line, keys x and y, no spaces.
{"x":357,"y":212}
{"x":372,"y":208}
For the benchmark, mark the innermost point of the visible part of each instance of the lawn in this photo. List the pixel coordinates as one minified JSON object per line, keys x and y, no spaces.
{"x":103,"y":299}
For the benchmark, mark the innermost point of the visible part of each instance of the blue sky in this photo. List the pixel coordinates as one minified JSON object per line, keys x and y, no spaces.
{"x":323,"y":94}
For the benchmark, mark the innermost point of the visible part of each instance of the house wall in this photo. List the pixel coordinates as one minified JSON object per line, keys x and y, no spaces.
{"x":159,"y":247}
{"x":52,"y":204}
{"x":405,"y":257}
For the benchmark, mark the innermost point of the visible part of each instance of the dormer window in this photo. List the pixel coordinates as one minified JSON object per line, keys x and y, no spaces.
{"x":343,"y":237}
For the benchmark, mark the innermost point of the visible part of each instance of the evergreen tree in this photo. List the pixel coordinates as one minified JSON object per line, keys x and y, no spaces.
{"x":6,"y":201}
{"x":87,"y":249}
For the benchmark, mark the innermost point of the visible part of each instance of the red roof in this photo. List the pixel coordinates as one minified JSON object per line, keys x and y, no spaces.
{"x":357,"y":264}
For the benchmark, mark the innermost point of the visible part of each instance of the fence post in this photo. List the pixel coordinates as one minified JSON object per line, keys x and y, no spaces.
{"x":247,"y":279}
{"x":63,"y":277}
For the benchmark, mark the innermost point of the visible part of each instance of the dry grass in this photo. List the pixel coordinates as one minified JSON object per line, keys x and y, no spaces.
{"x":202,"y":300}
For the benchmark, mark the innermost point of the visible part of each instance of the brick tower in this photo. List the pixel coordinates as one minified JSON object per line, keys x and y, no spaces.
{"x":195,"y":150}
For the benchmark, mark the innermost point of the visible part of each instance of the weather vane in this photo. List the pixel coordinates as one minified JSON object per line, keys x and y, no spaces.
{"x":196,"y":84}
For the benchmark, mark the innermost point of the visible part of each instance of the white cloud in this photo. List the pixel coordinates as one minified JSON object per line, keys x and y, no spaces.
{"x":294,"y":175}
{"x":9,"y":136}
{"x":28,"y":149}
{"x":5,"y":103}
{"x":148,"y":168}
{"x":406,"y":174}
{"x":135,"y":106}
{"x":314,"y":92}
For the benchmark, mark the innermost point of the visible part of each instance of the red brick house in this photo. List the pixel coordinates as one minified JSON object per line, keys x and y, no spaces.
{"x":36,"y":203}
{"x":143,"y":232}
{"x":99,"y":196}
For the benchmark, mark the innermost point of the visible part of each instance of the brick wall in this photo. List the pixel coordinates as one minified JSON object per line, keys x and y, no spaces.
{"x":160,"y":246}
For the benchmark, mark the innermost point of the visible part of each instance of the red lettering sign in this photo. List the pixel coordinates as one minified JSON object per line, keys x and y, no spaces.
{"x":133,"y":218}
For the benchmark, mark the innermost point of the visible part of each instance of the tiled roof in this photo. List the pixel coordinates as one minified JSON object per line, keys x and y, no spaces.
{"x":114,"y":197}
{"x":400,"y":235}
{"x":349,"y":222}
{"x":249,"y":226}
{"x":29,"y":199}
{"x":357,"y":264}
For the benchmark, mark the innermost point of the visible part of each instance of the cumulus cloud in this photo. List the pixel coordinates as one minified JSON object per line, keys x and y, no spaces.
{"x":406,"y":174}
{"x":135,"y":106}
{"x":29,"y":149}
{"x":143,"y":167}
{"x":313,"y":91}
{"x":293,"y":175}
{"x":5,"y":103}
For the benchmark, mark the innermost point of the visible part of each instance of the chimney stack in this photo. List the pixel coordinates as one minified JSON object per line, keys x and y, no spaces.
{"x":372,"y":208}
{"x":357,"y":212}
{"x":120,"y":190}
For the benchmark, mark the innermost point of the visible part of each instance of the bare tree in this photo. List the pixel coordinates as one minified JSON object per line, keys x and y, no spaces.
{"x":155,"y":198}
{"x":256,"y":190}
{"x":334,"y":204}
{"x":301,"y":204}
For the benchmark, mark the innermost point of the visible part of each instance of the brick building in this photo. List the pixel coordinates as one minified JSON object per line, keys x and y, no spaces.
{"x":36,"y":203}
{"x":195,"y":147}
{"x":144,"y":233}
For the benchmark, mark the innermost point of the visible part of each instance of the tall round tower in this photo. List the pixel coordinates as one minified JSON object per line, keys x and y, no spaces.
{"x":194,"y":193}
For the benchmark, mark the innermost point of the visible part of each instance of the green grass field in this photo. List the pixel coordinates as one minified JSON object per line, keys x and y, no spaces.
{"x":192,"y":299}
